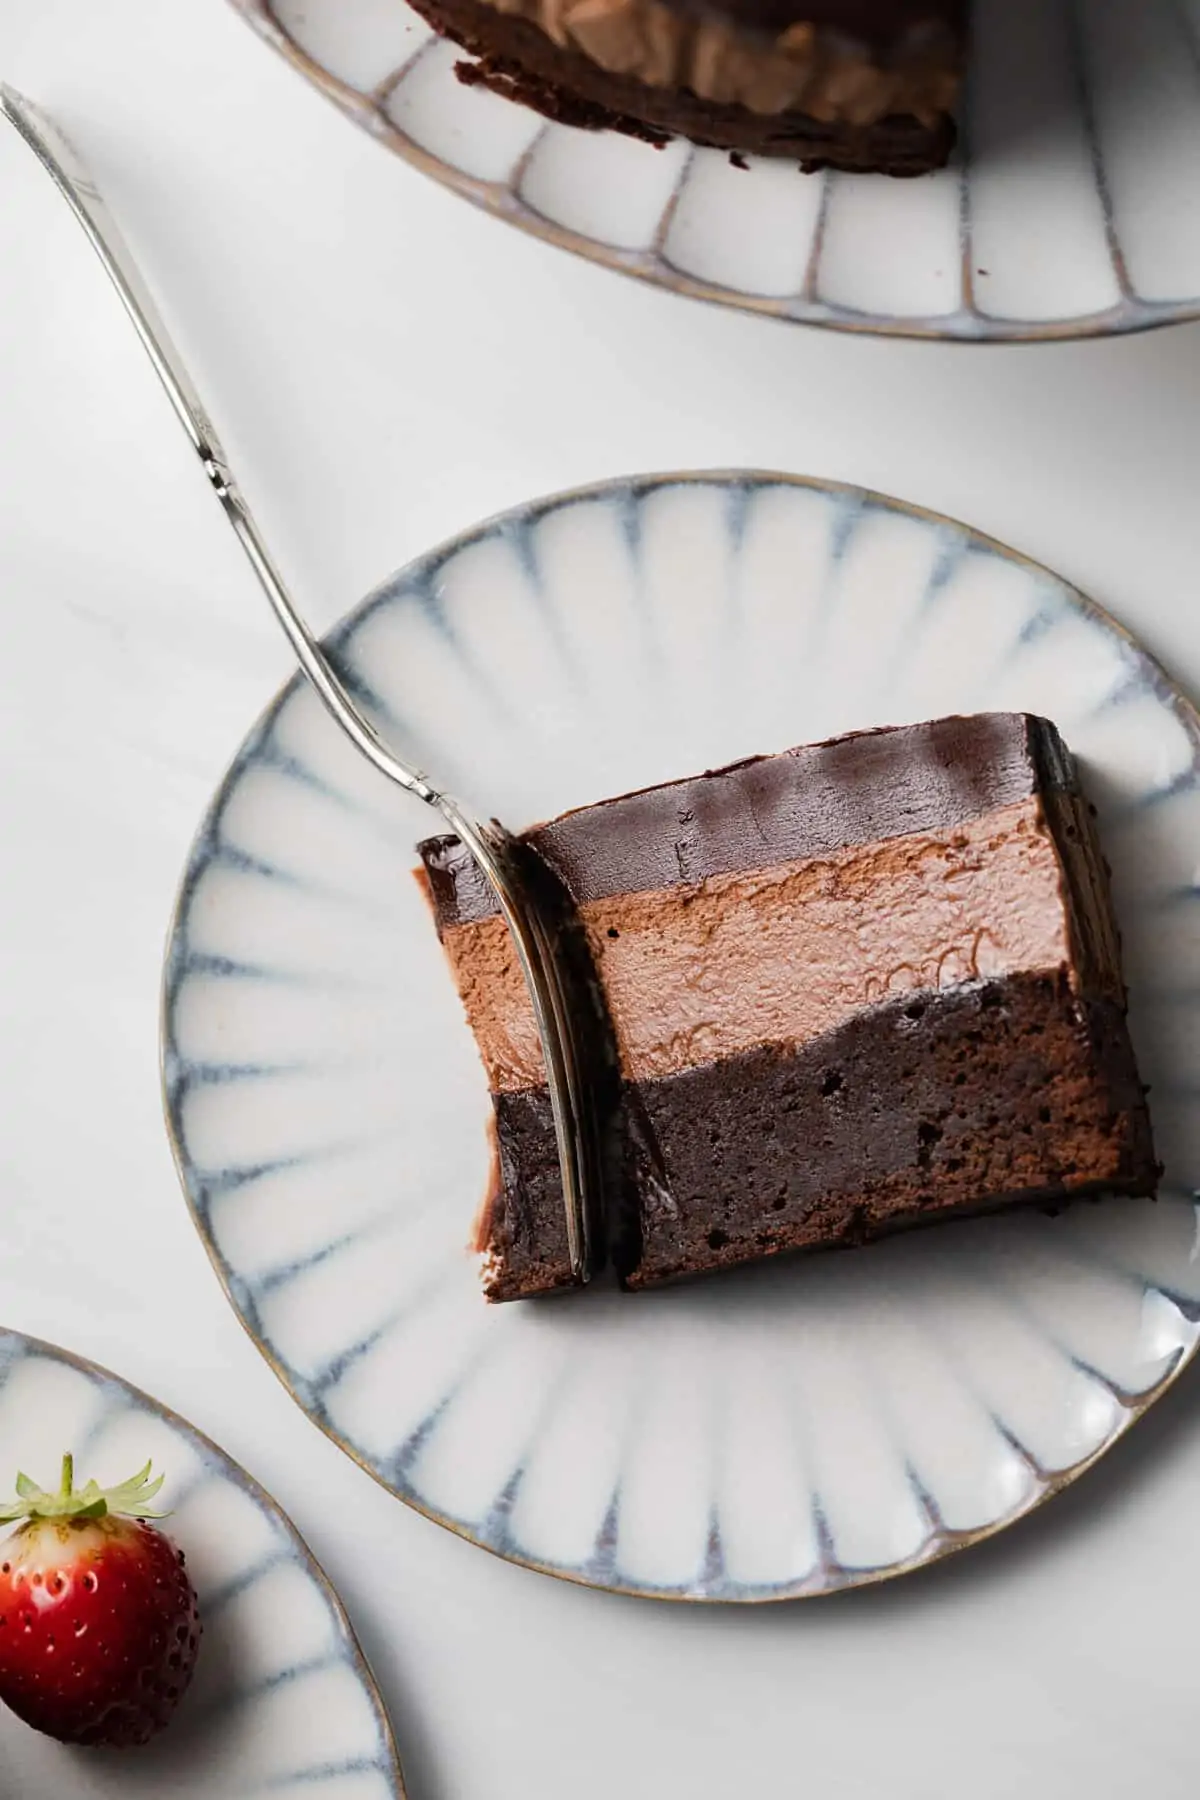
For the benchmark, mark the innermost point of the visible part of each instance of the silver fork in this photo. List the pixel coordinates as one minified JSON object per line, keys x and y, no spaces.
{"x":493,"y":847}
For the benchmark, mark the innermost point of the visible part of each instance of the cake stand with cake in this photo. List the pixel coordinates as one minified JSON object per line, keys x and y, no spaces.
{"x":1065,"y":208}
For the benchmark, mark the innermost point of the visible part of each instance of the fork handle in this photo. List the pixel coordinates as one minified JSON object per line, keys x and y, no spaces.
{"x":488,"y":843}
{"x":69,"y":174}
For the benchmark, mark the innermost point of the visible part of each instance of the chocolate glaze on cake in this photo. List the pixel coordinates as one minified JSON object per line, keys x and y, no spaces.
{"x":853,"y":987}
{"x":852,"y":84}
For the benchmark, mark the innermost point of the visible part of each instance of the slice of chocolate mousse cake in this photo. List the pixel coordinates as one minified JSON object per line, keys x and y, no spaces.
{"x":844,"y":84}
{"x":851,"y":988}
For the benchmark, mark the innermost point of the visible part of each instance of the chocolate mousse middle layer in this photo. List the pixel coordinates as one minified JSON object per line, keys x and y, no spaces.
{"x":852,"y":987}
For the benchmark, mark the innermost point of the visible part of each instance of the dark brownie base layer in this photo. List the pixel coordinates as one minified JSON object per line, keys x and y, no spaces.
{"x":522,"y":1228}
{"x":939,"y":1105}
{"x":518,"y":60}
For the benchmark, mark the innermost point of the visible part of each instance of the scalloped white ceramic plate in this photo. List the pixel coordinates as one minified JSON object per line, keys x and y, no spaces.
{"x":283,"y":1703}
{"x":1072,"y":209}
{"x":784,"y":1431}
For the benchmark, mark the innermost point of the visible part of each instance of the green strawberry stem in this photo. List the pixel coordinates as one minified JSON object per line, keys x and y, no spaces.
{"x":129,"y":1500}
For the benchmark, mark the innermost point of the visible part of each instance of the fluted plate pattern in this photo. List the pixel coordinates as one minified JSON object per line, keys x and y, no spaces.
{"x":283,"y":1706}
{"x":782,"y":1431}
{"x":1071,"y":208}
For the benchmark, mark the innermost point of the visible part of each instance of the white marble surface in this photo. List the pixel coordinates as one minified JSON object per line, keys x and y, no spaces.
{"x":389,"y":366}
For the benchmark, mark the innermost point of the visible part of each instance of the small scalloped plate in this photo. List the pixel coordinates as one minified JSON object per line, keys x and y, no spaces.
{"x":1069,"y":212}
{"x":782,"y":1431}
{"x":283,"y":1701}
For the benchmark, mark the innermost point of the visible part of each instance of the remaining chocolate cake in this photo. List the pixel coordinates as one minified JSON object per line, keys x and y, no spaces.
{"x":855,"y":987}
{"x":852,"y":84}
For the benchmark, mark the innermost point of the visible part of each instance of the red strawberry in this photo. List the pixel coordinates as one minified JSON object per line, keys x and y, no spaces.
{"x":98,"y":1622}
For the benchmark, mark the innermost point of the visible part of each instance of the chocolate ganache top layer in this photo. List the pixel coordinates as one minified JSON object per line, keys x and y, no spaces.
{"x":805,"y":803}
